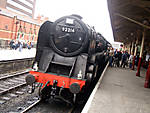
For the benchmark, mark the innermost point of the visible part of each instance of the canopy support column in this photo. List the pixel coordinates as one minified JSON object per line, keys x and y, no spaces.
{"x":133,"y":62}
{"x":131,"y":53}
{"x":147,"y":78}
{"x":140,"y":57}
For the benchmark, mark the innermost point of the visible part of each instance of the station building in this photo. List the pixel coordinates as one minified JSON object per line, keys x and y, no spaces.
{"x":17,"y":22}
{"x":24,"y":7}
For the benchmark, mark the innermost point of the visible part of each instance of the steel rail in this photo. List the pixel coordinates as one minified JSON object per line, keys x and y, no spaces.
{"x":31,"y":106}
{"x":15,"y":60}
{"x":12,"y":75}
{"x":11,"y":88}
{"x":17,"y":86}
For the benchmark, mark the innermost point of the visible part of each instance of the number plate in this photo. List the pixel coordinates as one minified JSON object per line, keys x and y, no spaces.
{"x":68,"y":29}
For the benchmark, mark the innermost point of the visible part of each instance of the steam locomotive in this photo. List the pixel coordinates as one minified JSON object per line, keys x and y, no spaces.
{"x":68,"y":55}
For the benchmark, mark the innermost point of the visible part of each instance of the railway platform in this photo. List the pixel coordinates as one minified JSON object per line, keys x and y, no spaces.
{"x":16,"y":54}
{"x":120,"y":91}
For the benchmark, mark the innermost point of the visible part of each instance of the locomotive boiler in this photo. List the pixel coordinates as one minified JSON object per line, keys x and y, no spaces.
{"x":67,"y":57}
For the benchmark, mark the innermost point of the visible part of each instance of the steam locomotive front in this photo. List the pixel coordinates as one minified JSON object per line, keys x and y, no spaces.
{"x":62,"y":66}
{"x":69,"y":35}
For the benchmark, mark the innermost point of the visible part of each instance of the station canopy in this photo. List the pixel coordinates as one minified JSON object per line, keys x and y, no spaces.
{"x":129,"y":18}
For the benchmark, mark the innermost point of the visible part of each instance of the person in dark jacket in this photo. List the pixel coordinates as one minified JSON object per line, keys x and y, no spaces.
{"x":119,"y":58}
{"x":137,"y":59}
{"x":111,"y":54}
{"x":124,"y":59}
{"x":12,"y":44}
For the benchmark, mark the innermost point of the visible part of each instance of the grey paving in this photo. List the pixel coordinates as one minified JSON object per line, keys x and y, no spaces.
{"x":121,"y":92}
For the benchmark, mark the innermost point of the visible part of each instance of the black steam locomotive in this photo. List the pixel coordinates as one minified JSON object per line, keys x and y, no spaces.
{"x":68,"y":55}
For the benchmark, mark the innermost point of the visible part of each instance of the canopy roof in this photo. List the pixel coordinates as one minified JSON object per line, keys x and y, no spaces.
{"x":129,"y":18}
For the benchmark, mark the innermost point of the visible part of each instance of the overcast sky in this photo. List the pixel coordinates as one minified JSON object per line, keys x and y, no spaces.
{"x":94,"y":12}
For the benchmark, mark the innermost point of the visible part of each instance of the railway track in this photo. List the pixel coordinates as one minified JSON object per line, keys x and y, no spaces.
{"x":31,"y":106}
{"x":16,"y":73}
{"x":9,"y":86}
{"x":12,"y":81}
{"x":30,"y":103}
{"x":10,"y":75}
{"x":13,"y":89}
{"x":47,"y":107}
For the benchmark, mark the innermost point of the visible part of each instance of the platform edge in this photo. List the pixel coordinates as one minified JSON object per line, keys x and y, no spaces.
{"x":87,"y":105}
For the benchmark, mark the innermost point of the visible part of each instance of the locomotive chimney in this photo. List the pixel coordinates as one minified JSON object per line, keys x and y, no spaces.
{"x":78,"y":16}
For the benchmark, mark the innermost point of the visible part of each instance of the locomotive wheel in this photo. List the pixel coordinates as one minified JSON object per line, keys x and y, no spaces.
{"x":89,"y":79}
{"x":81,"y":97}
{"x":95,"y":71}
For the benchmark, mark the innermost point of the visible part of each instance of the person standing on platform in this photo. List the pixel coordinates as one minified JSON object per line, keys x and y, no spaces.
{"x":137,"y":59}
{"x":128,"y":56}
{"x":115,"y":58}
{"x":12,"y":44}
{"x":20,"y":45}
{"x":124,"y":60}
{"x":130,"y":60}
{"x":119,"y":58}
{"x":16,"y":44}
{"x":147,"y":59}
{"x":116,"y":52}
{"x":28,"y":45}
{"x":111,"y":57}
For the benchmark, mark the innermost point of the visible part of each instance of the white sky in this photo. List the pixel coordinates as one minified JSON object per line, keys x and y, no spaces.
{"x":94,"y":12}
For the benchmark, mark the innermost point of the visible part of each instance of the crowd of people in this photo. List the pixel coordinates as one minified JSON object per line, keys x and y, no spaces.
{"x":16,"y":44}
{"x":124,"y":59}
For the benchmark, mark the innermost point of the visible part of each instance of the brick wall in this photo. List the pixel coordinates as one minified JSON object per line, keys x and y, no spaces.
{"x":10,"y":28}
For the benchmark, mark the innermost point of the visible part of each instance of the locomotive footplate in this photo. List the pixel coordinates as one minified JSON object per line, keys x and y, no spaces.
{"x":75,"y":85}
